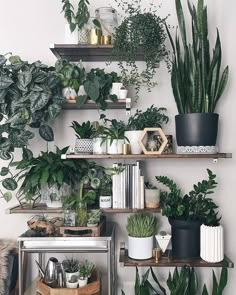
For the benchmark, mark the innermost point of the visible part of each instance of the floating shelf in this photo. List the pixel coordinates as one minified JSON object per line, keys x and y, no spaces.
{"x":91,"y":105}
{"x":42,"y":208}
{"x":169,"y":261}
{"x":77,"y":52}
{"x":142,"y":156}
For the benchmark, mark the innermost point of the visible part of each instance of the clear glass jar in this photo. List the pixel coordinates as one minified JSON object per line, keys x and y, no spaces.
{"x":107,"y":16}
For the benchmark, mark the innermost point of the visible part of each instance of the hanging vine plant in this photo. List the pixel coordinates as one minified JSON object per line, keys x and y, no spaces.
{"x":140,"y":31}
{"x":30,"y":96}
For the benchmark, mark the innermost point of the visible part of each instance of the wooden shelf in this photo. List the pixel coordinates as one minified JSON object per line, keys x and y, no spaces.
{"x":91,"y":105}
{"x":86,"y":52}
{"x":142,"y":156}
{"x":42,"y":208}
{"x":170,"y":261}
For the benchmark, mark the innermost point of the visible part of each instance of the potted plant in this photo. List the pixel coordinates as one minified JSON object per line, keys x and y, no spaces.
{"x":84,"y":133}
{"x":151,"y":117}
{"x":187,"y":213}
{"x":141,"y":228}
{"x":94,"y":217}
{"x":73,"y":282}
{"x":143,"y":31}
{"x":85,"y":271}
{"x":211,"y":233}
{"x":105,"y":191}
{"x":152,"y":196}
{"x":71,"y":77}
{"x":114,"y":136}
{"x":71,"y":266}
{"x":197,"y":82}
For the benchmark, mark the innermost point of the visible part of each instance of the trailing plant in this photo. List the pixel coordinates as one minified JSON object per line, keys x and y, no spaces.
{"x":70,"y":74}
{"x":196,"y":78}
{"x":141,"y":29}
{"x":85,"y":130}
{"x":196,"y":205}
{"x":71,"y":264}
{"x":152,"y":117}
{"x":141,"y":225}
{"x":86,"y":268}
{"x":97,"y":86}
{"x":149,"y":185}
{"x":30,"y":96}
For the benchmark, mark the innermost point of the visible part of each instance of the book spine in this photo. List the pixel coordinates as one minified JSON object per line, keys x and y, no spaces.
{"x":137,"y":176}
{"x":133,"y":187}
{"x":114,"y":188}
{"x":141,"y":192}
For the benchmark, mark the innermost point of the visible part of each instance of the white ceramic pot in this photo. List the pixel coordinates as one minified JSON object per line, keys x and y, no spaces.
{"x":71,"y":38}
{"x":70,"y":274}
{"x":105,"y":202}
{"x":72,"y":285}
{"x":152,"y":198}
{"x":115,"y":90}
{"x":99,"y":146}
{"x":116,"y":146}
{"x":69,"y":93}
{"x":52,"y":196}
{"x":123,"y":93}
{"x":81,"y":90}
{"x":133,"y":137}
{"x":84,"y":146}
{"x":140,"y":248}
{"x":212,"y":243}
{"x":83,"y":282}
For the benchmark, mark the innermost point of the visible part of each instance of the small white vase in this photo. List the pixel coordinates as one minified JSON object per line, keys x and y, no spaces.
{"x":212,"y":243}
{"x":81,"y":90}
{"x":133,"y":137}
{"x":116,"y":146}
{"x":72,"y":285}
{"x":140,"y":248}
{"x":69,"y":93}
{"x":83,"y":282}
{"x":115,"y":90}
{"x":69,"y":276}
{"x":71,"y":37}
{"x":99,"y":146}
{"x":123,"y":93}
{"x":105,"y":202}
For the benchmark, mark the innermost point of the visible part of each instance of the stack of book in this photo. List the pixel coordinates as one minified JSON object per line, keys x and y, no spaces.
{"x":128,"y":187}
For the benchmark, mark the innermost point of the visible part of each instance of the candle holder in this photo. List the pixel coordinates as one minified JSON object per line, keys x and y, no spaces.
{"x":125,"y":148}
{"x":156,"y":252}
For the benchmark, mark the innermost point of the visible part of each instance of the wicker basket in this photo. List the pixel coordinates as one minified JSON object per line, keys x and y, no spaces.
{"x":92,"y":288}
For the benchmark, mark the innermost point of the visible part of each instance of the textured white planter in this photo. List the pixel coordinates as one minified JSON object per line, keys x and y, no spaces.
{"x":212,"y":243}
{"x":140,"y":248}
{"x":84,"y":146}
{"x":152,"y":198}
{"x":83,"y":282}
{"x":71,"y":38}
{"x":116,"y":146}
{"x":133,"y":137}
{"x":123,"y":93}
{"x":68,"y":278}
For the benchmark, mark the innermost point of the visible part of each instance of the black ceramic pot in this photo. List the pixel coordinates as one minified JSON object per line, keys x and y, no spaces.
{"x":196,"y":129}
{"x":185,"y":238}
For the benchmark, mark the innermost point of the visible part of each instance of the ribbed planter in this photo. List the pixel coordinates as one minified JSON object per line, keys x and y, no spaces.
{"x":212,"y":243}
{"x":140,"y":248}
{"x":185,"y":238}
{"x":84,"y":146}
{"x":196,"y":129}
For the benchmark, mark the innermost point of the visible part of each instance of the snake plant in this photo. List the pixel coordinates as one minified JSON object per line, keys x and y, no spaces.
{"x":196,"y":78}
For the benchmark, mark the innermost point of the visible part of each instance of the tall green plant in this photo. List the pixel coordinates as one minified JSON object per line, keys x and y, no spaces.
{"x":196,"y":78}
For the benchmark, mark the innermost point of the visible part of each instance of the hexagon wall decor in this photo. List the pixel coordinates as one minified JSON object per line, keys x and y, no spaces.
{"x":144,"y":134}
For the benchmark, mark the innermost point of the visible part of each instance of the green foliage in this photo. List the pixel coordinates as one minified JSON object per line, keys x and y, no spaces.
{"x":196,"y":78}
{"x":70,"y":74}
{"x":85,"y":269}
{"x":149,"y":185}
{"x":115,"y":131}
{"x":141,"y":225}
{"x":152,"y":117}
{"x":85,"y":130}
{"x":97,"y":86}
{"x":218,"y":287}
{"x":196,"y":205}
{"x":94,"y":216}
{"x":141,"y":29}
{"x":71,"y":264}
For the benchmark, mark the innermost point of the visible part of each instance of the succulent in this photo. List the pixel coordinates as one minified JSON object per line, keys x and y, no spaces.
{"x":141,"y":225}
{"x":71,"y":264}
{"x":86,"y":268}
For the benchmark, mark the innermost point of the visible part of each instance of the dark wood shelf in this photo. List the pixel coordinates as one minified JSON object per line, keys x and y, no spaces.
{"x":91,"y":105}
{"x":142,"y":156}
{"x":42,"y":208}
{"x":170,"y":261}
{"x":86,"y":52}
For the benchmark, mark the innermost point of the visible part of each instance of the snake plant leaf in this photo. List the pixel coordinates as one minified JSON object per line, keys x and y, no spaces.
{"x":223,"y":82}
{"x":46,"y":132}
{"x":137,"y":282}
{"x":10,"y":184}
{"x":157,"y":282}
{"x":215,"y":284}
{"x":193,"y":283}
{"x":4,"y":171}
{"x":181,"y":21}
{"x":5,"y":82}
{"x":7,"y":196}
{"x":205,"y":292}
{"x":223,"y":280}
{"x":5,"y":155}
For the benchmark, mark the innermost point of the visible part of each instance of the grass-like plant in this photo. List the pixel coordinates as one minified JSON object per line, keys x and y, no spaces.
{"x":86,"y":268}
{"x":141,"y":225}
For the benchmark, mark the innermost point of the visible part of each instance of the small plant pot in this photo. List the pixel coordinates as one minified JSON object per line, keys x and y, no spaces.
{"x":52,"y":196}
{"x":105,"y":202}
{"x":69,"y":93}
{"x":212,"y":243}
{"x":84,"y":146}
{"x":123,"y":93}
{"x":72,"y":285}
{"x":116,"y":147}
{"x":152,"y":198}
{"x":92,"y":224}
{"x":133,"y":137}
{"x":140,"y":248}
{"x":115,"y":90}
{"x":83,"y":282}
{"x":99,"y":146}
{"x":70,"y":274}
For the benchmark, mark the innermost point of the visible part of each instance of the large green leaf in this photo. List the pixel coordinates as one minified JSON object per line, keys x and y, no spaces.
{"x":7,"y":196}
{"x":44,"y":178}
{"x":46,"y":132}
{"x":4,"y":171}
{"x":25,"y":78}
{"x":54,"y":110}
{"x":92,"y":88}
{"x":39,"y":101}
{"x":9,"y":184}
{"x":5,"y":82}
{"x":27,"y":154}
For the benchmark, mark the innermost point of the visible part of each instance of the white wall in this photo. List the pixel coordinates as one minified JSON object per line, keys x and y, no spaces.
{"x":27,"y":27}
